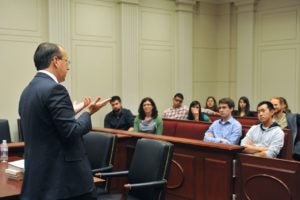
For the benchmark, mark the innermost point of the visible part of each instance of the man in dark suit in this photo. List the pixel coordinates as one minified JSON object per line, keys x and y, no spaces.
{"x":56,"y":165}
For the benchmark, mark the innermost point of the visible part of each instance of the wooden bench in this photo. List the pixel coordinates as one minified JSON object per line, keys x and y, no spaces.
{"x":243,"y":120}
{"x":196,"y":130}
{"x":185,"y":128}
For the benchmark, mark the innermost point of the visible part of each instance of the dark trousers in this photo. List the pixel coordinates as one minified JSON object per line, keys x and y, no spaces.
{"x":87,"y":196}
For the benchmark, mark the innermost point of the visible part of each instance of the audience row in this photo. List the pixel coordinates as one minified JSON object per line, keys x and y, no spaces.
{"x":265,"y":139}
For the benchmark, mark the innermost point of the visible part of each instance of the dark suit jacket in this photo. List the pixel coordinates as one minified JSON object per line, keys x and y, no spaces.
{"x":56,"y":165}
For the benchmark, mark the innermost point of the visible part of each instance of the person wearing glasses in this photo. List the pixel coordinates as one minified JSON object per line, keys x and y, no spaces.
{"x":226,"y":130}
{"x":148,"y":120}
{"x":177,"y":111}
{"x":56,"y":165}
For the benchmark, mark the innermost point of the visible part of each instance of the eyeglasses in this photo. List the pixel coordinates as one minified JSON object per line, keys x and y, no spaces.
{"x":66,"y":60}
{"x":178,"y":100}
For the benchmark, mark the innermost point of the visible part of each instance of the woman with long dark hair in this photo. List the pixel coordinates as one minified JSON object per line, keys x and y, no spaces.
{"x":243,"y":107}
{"x":195,"y":112}
{"x":148,"y":120}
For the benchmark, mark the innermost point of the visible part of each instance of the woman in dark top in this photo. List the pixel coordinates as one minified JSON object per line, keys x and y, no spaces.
{"x":243,"y":107}
{"x":195,"y":112}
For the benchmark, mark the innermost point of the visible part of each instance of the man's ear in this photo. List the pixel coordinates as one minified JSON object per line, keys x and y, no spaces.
{"x":54,"y":61}
{"x":272,"y":111}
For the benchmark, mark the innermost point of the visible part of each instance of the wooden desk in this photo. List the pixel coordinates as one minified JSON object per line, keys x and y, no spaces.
{"x":9,"y":189}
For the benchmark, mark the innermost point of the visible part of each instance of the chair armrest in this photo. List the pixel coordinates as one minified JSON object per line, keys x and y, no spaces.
{"x":111,"y":174}
{"x":128,"y":187}
{"x":161,"y":183}
{"x":103,"y":169}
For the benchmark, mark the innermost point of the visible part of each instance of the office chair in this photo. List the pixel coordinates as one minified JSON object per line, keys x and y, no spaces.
{"x":147,"y":174}
{"x":100,"y":149}
{"x":4,"y":131}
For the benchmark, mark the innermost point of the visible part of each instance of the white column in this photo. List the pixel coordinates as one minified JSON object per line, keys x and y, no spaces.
{"x":184,"y":73}
{"x":129,"y":52}
{"x":245,"y":48}
{"x":60,"y":28}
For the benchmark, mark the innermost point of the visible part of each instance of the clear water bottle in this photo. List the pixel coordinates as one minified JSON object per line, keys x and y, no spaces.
{"x":4,"y":151}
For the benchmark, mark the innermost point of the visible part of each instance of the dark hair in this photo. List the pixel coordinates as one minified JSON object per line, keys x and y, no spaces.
{"x":115,"y":98}
{"x":268,"y":103}
{"x":247,"y":109}
{"x":141,"y":109}
{"x":227,"y":101}
{"x":44,"y":54}
{"x":215,"y":107}
{"x":179,"y":95}
{"x":190,"y":114}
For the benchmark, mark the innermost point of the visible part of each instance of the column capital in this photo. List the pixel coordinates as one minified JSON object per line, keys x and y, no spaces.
{"x":245,"y":5}
{"x":129,"y":2}
{"x":185,"y":5}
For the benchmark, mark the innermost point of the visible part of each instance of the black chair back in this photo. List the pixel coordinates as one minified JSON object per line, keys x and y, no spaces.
{"x":151,"y":162}
{"x":100,"y":149}
{"x":4,"y":131}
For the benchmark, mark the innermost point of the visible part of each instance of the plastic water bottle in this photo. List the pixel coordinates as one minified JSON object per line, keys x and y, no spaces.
{"x":4,"y":151}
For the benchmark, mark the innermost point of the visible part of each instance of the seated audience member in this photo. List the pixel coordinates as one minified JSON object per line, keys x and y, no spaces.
{"x":119,"y":117}
{"x":243,"y":108}
{"x":195,"y":112}
{"x":148,"y":120}
{"x":177,"y":111}
{"x":286,"y":108}
{"x":265,"y":139}
{"x":296,"y":155}
{"x":226,"y":130}
{"x":211,"y":104}
{"x":285,"y":120}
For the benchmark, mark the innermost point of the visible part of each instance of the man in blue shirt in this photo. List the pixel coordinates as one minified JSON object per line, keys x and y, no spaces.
{"x":226,"y":130}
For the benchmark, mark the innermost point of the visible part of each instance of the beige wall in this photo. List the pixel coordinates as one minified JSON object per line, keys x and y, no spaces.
{"x":138,"y":48}
{"x":23,"y":25}
{"x":213,"y":51}
{"x":277,"y":50}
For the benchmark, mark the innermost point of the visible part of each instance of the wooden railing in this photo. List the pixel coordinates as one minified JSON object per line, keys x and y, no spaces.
{"x":203,"y":170}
